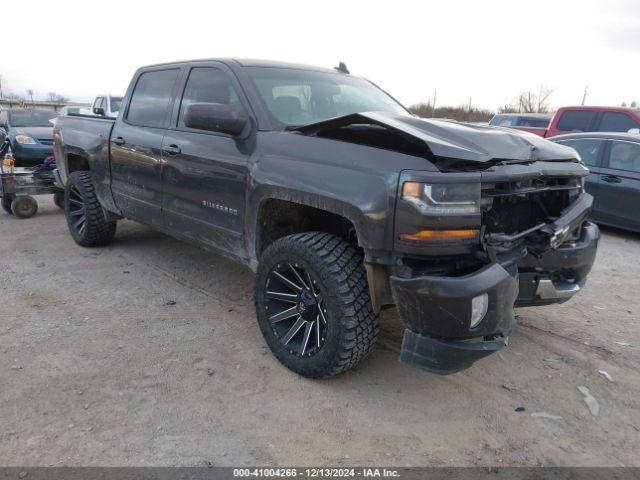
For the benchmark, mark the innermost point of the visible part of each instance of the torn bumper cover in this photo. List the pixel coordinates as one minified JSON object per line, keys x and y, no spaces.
{"x":437,"y":312}
{"x":442,"y":338}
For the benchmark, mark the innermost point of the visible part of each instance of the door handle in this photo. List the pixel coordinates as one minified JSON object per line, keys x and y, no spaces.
{"x":611,"y":179}
{"x":118,"y":141}
{"x":171,"y":149}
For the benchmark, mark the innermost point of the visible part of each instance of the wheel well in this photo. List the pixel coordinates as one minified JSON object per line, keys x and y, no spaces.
{"x":279,"y":218}
{"x":76,"y":163}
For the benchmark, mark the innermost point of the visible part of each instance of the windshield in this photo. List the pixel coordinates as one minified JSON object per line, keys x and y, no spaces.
{"x":31,"y":118}
{"x":116,"y":102}
{"x":301,"y":97}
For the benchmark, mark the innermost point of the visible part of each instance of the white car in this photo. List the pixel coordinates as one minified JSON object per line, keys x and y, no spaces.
{"x":106,"y":105}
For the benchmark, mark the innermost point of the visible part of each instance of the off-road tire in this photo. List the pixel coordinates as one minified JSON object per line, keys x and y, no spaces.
{"x":79,"y":194}
{"x":24,"y":206}
{"x":6,"y":202}
{"x":58,"y":199}
{"x":352,"y":327}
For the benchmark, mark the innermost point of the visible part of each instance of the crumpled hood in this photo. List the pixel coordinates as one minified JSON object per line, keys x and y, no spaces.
{"x":45,"y":133}
{"x":461,"y":141}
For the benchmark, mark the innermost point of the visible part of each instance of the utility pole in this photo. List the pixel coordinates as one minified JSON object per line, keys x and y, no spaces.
{"x":435,"y":96}
{"x":584,"y":95}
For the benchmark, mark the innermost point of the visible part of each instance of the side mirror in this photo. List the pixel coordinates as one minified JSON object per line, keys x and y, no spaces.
{"x":214,"y":117}
{"x":634,"y":130}
{"x":98,"y":111}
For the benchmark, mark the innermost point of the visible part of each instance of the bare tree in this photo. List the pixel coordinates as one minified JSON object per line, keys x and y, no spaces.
{"x":30,"y":93}
{"x":56,"y":98}
{"x":1,"y":82}
{"x":529,"y":102}
{"x":633,"y":104}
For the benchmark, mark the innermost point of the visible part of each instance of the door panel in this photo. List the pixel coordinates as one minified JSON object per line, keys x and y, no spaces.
{"x":135,"y":167}
{"x":136,"y":142}
{"x":204,"y":188}
{"x":204,"y":173}
{"x":619,"y":187}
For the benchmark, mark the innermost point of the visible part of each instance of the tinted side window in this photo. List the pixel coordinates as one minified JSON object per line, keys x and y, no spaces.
{"x":625,"y":156}
{"x":209,"y":85}
{"x":151,"y":97}
{"x":506,"y":121}
{"x":588,"y":149}
{"x":617,"y":122}
{"x":533,"y":122}
{"x":576,"y":120}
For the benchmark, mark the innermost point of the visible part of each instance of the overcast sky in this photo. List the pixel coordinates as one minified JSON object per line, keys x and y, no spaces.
{"x":486,"y":50}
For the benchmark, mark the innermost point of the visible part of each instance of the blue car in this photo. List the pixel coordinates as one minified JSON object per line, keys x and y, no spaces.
{"x":30,"y":134}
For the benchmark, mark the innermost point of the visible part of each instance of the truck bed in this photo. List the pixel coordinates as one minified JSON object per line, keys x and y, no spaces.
{"x":85,"y":136}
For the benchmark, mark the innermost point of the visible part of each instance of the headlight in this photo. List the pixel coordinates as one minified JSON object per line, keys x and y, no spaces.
{"x":443,"y":198}
{"x":25,"y":140}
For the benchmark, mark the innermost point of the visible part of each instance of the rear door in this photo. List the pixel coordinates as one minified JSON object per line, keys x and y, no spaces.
{"x":619,"y":187}
{"x":592,"y":151}
{"x":136,"y":142}
{"x":204,"y":173}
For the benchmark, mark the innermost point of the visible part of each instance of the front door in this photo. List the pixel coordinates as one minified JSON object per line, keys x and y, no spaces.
{"x":136,"y":143}
{"x":204,"y":173}
{"x":619,"y":187}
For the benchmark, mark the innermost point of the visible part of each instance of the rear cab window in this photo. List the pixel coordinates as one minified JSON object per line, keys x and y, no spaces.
{"x":151,"y":98}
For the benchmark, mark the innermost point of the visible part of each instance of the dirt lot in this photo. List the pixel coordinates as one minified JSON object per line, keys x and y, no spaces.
{"x":98,"y":367}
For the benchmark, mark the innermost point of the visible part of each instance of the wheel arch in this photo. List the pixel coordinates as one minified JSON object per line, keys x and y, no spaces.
{"x":282,"y":213}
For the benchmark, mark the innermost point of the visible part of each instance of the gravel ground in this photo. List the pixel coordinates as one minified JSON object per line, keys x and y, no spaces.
{"x":99,"y":366}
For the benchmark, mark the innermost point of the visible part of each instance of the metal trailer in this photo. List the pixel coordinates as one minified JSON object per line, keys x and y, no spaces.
{"x":18,"y":185}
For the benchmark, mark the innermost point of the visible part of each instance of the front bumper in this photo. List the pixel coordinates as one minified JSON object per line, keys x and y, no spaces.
{"x":437,"y":310}
{"x":437,"y":313}
{"x":561,"y":273}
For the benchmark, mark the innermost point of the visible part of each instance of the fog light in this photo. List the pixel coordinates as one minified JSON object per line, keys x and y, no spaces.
{"x":479,"y":307}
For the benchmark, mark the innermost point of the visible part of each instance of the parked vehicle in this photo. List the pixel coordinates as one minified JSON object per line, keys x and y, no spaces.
{"x":106,"y":105}
{"x":30,"y":134}
{"x":589,"y":119}
{"x":342,"y":202}
{"x":614,"y":175}
{"x":529,"y":122}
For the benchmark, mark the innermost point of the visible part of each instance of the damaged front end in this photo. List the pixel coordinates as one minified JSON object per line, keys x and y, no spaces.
{"x":498,"y":220}
{"x":534,"y":246}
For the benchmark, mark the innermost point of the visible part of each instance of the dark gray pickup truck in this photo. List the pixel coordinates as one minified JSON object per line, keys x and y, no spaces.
{"x":342,"y":202}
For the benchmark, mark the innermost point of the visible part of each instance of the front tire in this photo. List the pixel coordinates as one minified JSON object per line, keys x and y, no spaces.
{"x":313,"y":306}
{"x":85,"y":217}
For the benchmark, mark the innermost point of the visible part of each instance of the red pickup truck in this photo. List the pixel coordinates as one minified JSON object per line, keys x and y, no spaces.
{"x":588,"y":119}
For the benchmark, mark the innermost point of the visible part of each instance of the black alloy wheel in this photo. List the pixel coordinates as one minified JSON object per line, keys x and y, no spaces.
{"x":296,"y":310}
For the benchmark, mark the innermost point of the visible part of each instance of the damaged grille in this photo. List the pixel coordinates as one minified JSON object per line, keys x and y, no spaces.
{"x":517,"y":206}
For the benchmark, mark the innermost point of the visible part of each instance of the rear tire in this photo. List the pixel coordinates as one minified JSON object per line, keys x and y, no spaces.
{"x":6,"y":202}
{"x":85,"y":217}
{"x":24,"y":206}
{"x":331,"y":270}
{"x":58,"y":199}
